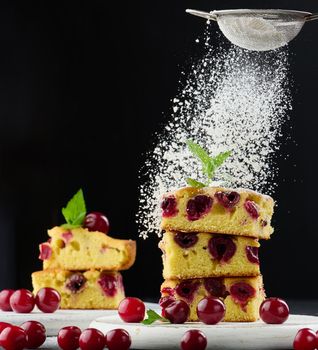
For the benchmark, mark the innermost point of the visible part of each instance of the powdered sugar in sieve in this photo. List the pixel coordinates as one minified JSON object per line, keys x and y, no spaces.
{"x":258,"y":30}
{"x":252,"y":33}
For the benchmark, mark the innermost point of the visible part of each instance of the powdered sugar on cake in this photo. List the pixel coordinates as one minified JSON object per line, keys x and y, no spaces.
{"x":232,"y":100}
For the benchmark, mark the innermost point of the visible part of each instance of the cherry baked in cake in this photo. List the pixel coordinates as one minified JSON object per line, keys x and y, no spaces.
{"x":196,"y":255}
{"x":91,"y":289}
{"x":221,"y":210}
{"x":81,"y":262}
{"x":242,"y":296}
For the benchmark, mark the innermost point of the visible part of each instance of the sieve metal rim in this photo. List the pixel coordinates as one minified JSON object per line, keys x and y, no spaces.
{"x":213,"y":15}
{"x":301,"y":14}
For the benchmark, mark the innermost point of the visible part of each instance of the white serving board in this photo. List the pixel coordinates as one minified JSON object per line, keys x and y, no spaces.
{"x":59,"y":319}
{"x":225,"y":335}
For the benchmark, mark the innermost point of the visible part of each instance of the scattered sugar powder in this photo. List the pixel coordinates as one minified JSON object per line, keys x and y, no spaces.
{"x":234,"y":100}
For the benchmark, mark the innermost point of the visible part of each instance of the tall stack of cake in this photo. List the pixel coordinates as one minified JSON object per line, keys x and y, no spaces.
{"x":83,"y":267}
{"x":210,"y":248}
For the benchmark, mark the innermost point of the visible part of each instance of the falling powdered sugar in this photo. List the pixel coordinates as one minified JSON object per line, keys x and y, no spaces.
{"x":233,"y":100}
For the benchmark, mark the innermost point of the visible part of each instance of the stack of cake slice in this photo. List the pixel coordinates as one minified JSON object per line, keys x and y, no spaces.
{"x":83,"y":267}
{"x":210,"y":248}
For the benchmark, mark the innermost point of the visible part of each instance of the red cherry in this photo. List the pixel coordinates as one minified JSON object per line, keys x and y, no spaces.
{"x":193,"y":340}
{"x":168,"y":290}
{"x":305,"y":339}
{"x":228,"y":199}
{"x":169,"y":206}
{"x":164,"y":302}
{"x":198,"y":206}
{"x":36,"y":334}
{"x":118,"y":339}
{"x":252,"y":208}
{"x":4,"y":325}
{"x":22,"y":301}
{"x":131,"y":310}
{"x":92,"y":339}
{"x":186,"y":240}
{"x":48,"y":300}
{"x":96,"y":221}
{"x":274,"y":310}
{"x":68,"y":338}
{"x":177,"y":312}
{"x":211,"y":310}
{"x":5,"y":299}
{"x":45,"y":251}
{"x":13,"y":338}
{"x":109,"y":283}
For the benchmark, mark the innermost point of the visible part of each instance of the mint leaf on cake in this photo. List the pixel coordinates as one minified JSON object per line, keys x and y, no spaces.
{"x":195,"y":183}
{"x":75,"y":211}
{"x":209,"y":164}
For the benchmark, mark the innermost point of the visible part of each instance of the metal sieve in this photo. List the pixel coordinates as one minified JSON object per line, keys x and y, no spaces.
{"x":258,"y":30}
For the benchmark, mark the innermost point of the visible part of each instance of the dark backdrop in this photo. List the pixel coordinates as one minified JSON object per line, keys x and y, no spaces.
{"x":84,"y":85}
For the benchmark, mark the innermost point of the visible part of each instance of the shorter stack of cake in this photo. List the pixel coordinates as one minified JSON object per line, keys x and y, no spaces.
{"x":210,"y":248}
{"x":83,"y":267}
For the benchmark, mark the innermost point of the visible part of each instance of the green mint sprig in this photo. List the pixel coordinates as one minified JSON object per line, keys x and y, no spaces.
{"x":209,"y":164}
{"x":195,"y":183}
{"x":152,"y":317}
{"x":75,"y":211}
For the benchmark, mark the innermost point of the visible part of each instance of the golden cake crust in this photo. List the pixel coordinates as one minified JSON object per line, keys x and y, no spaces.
{"x":233,"y":221}
{"x":80,"y":249}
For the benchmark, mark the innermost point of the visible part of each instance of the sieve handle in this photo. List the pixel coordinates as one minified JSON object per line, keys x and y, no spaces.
{"x":312,"y":17}
{"x":207,"y":15}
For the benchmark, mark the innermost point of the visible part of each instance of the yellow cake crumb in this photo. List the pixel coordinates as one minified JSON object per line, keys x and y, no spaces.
{"x":80,"y":249}
{"x":219,"y":219}
{"x":82,"y":290}
{"x":197,"y":261}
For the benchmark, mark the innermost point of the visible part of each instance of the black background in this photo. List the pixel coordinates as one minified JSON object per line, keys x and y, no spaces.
{"x":84,"y":86}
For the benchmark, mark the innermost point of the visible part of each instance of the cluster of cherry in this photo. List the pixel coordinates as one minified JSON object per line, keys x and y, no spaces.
{"x":32,"y":334}
{"x":210,"y":310}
